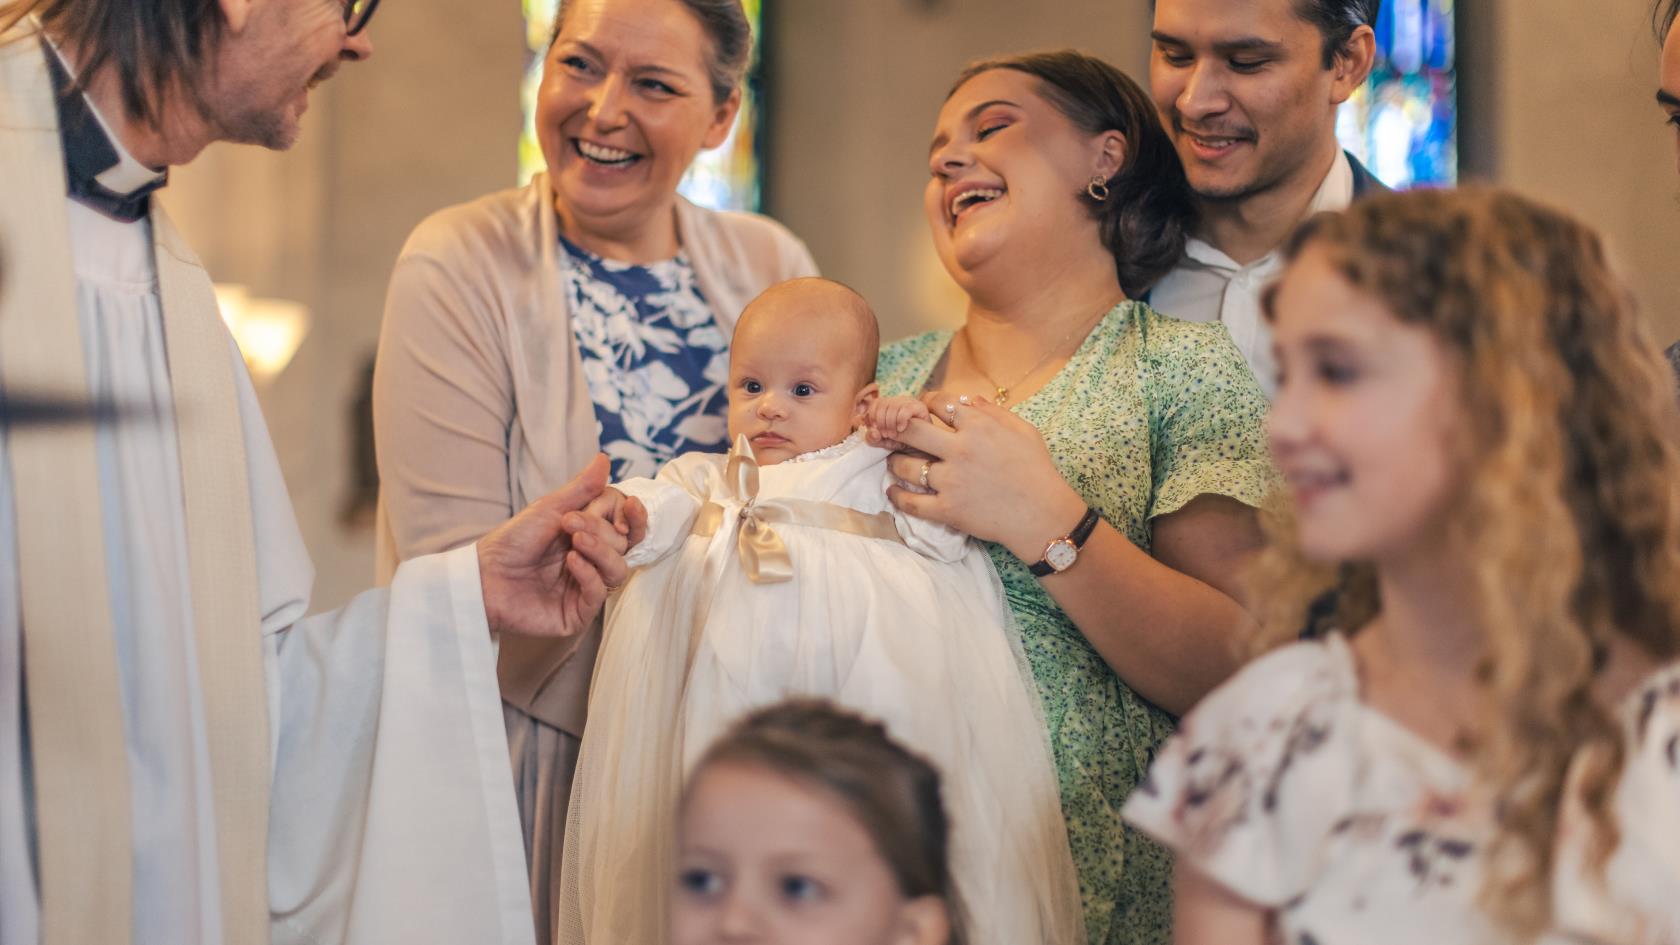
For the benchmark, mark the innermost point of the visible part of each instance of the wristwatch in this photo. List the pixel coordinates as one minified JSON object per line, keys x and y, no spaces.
{"x":1061,"y":554}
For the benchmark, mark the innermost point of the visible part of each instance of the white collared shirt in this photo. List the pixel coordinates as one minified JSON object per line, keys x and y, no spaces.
{"x":1209,"y":286}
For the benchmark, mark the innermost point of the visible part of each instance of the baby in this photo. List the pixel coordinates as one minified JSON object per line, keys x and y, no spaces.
{"x":783,"y":570}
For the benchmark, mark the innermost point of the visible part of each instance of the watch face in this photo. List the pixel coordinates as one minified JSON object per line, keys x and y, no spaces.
{"x":1061,"y":554}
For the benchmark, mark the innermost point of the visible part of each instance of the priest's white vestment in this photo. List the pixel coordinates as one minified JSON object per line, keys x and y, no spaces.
{"x":336,"y":778}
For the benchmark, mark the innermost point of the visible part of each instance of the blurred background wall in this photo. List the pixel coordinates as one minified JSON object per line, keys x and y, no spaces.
{"x":1556,"y":101}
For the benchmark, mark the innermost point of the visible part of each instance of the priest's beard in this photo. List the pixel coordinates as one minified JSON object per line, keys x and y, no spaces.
{"x":272,"y":126}
{"x":270,"y":129}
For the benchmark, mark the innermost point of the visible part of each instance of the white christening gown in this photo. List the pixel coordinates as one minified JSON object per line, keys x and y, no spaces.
{"x":895,"y":617}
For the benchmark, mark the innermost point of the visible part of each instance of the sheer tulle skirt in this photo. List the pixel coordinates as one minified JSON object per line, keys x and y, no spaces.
{"x":924,"y":646}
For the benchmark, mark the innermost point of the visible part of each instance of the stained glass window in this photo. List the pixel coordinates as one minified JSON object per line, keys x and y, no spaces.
{"x":727,"y":177}
{"x":1403,"y":124}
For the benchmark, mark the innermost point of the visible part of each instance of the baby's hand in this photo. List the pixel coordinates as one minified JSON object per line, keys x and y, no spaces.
{"x":890,"y":416}
{"x":610,"y":506}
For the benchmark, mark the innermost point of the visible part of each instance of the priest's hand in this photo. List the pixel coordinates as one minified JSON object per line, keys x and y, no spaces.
{"x":546,"y":571}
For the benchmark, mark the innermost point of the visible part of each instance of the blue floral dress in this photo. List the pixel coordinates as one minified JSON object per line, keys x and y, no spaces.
{"x":654,"y":356}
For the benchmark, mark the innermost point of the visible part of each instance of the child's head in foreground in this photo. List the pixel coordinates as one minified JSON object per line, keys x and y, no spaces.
{"x":807,"y":824}
{"x":801,"y":368}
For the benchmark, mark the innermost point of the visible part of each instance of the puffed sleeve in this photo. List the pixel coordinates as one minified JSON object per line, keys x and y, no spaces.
{"x":1636,"y":897}
{"x":673,"y":498}
{"x":1207,"y":418}
{"x":936,"y":541}
{"x":1251,"y":788}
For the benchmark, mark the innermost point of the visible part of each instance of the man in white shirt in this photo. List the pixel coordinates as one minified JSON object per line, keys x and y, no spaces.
{"x":1248,"y":91}
{"x":185,"y":757}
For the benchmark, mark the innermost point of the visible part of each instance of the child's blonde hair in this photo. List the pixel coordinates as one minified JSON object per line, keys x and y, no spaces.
{"x":1568,"y":519}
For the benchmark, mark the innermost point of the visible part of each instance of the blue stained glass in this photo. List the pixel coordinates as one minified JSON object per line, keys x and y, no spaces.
{"x":1403,"y":123}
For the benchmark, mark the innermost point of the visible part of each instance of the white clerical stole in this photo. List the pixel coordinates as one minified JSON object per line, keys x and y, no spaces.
{"x":184,"y":756}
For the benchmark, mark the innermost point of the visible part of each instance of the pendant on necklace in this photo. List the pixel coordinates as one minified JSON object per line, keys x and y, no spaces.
{"x":1003,"y":396}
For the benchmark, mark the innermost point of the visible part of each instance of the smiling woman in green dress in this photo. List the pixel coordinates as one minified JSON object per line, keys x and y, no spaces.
{"x":1054,"y":193}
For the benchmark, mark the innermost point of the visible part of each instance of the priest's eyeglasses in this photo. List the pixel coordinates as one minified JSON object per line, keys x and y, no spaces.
{"x":356,"y":15}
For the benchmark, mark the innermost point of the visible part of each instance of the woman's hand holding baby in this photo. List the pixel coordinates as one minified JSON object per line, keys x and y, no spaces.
{"x":987,"y":472}
{"x":887,"y":417}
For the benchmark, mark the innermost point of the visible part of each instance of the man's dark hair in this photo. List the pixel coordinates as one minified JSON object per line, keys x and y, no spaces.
{"x":1663,"y":16}
{"x":1337,"y":20}
{"x":157,"y":47}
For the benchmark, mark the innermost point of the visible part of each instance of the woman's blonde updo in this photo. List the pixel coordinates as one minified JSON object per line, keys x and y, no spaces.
{"x":726,"y":26}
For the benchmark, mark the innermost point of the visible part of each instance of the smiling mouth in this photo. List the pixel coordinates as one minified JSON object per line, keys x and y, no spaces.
{"x":603,"y":156}
{"x":321,"y":75}
{"x":970,"y":199}
{"x":1215,"y":144}
{"x":1308,"y":486}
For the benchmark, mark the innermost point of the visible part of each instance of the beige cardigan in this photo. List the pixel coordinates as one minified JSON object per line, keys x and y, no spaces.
{"x":480,"y":404}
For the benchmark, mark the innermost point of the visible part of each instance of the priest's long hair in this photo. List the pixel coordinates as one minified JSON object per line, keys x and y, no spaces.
{"x":158,"y":48}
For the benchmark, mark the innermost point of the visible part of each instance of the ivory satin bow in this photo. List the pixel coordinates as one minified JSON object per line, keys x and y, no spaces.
{"x":764,"y":555}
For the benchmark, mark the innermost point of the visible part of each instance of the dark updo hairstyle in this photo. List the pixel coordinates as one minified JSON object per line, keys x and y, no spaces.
{"x":725,"y":24}
{"x":1150,"y":208}
{"x":1663,"y":16}
{"x":893,"y":793}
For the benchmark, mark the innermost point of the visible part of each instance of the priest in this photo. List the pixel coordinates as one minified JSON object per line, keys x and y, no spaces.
{"x":185,"y":757}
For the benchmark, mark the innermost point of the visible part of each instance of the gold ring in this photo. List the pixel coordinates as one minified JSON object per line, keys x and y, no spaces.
{"x":925,"y":467}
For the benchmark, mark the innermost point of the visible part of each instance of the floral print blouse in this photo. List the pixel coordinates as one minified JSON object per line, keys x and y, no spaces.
{"x":1287,"y":789}
{"x":654,"y":356}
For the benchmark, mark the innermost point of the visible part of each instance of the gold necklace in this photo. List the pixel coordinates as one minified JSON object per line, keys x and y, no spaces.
{"x":1003,"y":389}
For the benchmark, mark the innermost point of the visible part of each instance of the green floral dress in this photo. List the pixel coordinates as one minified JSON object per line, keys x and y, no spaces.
{"x":1149,"y":413}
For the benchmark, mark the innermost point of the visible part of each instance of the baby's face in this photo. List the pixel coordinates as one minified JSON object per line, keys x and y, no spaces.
{"x":768,"y":860}
{"x":794,"y":383}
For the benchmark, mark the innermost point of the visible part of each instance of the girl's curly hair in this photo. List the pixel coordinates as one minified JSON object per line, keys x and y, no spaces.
{"x":1569,"y":515}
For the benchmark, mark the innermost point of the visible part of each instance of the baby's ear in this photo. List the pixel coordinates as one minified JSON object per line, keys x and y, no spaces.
{"x":865,"y":397}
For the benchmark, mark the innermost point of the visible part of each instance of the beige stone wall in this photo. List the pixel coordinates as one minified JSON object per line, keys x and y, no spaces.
{"x":1558,"y":94}
{"x":1577,"y":124}
{"x":858,"y":84}
{"x":431,"y":120}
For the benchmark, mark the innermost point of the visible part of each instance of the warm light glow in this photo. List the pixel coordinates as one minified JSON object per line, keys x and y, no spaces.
{"x":268,"y":331}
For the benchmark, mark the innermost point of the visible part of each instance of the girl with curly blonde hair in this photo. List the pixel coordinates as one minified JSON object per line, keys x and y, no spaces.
{"x":1479,"y":445}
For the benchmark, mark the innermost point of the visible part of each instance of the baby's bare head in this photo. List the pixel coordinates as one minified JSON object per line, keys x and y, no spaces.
{"x":811,"y":318}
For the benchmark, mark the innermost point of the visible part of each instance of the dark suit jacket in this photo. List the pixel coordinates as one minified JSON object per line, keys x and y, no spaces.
{"x":1365,"y":183}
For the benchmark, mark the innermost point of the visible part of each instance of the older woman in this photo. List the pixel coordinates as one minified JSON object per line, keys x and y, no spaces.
{"x":589,"y":311}
{"x":1111,"y":456}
